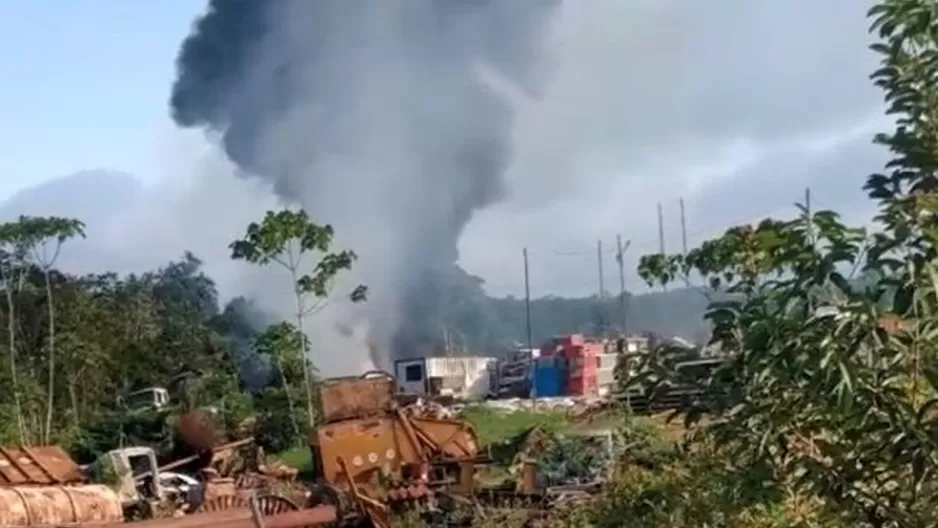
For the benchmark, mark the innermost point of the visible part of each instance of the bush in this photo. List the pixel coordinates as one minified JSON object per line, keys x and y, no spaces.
{"x":276,"y":430}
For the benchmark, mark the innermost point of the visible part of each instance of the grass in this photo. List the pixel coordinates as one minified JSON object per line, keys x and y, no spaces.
{"x":494,"y":426}
{"x":299,"y":458}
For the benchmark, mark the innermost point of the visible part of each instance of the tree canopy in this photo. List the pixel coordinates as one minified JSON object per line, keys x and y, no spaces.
{"x":830,"y":388}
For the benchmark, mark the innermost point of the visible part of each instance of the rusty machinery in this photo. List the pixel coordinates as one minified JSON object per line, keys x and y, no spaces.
{"x":371,"y":456}
{"x":42,"y":486}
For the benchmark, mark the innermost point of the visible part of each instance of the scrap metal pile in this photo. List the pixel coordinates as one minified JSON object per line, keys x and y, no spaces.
{"x":372,"y":456}
{"x":561,"y":467}
{"x":224,"y":485}
{"x":568,"y":459}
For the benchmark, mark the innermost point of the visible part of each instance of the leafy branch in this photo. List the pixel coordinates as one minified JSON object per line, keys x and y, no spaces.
{"x":286,"y":238}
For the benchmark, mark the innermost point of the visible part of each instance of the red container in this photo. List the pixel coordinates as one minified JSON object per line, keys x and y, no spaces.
{"x":584,"y":362}
{"x":583,"y":358}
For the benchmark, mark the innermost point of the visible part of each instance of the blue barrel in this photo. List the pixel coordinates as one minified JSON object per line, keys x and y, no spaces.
{"x":549,"y":378}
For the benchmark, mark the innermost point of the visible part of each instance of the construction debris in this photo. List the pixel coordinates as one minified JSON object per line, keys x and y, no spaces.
{"x":373,"y":455}
{"x":564,"y":460}
{"x":566,"y":404}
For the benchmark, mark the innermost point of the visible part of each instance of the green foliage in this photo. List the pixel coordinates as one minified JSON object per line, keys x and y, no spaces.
{"x":284,"y":237}
{"x":104,"y":471}
{"x":113,"y":335}
{"x":495,"y":426}
{"x":834,"y":386}
{"x":34,"y":231}
{"x":283,"y":343}
{"x":280,"y":425}
{"x":25,"y":244}
{"x":661,"y":482}
{"x":299,"y":458}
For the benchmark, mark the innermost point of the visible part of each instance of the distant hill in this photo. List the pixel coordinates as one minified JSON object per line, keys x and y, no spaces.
{"x":673,"y":313}
{"x":474,"y":322}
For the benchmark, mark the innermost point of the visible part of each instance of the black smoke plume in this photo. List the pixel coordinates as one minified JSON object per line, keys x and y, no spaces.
{"x":379,"y":117}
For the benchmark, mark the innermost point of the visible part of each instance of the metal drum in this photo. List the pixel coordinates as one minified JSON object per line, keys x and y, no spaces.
{"x":58,"y":505}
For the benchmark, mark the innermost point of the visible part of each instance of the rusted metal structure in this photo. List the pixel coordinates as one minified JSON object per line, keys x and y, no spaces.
{"x":356,"y":397}
{"x":40,"y":465}
{"x":373,"y":456}
{"x":267,"y":504}
{"x":43,"y":486}
{"x":240,"y":518}
{"x":63,"y":505}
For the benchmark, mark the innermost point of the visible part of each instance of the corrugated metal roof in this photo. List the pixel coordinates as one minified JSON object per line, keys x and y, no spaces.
{"x":37,"y":465}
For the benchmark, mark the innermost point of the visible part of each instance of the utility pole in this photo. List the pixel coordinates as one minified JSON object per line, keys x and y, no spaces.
{"x":527,"y":324}
{"x":808,"y":213}
{"x":683,"y":230}
{"x":602,"y":287}
{"x":684,"y":239}
{"x":527,"y":301}
{"x":620,"y":260}
{"x":661,"y":235}
{"x":599,"y":262}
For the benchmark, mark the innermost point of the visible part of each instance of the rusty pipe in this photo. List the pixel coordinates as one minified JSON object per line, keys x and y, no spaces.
{"x":297,"y":519}
{"x":239,"y":518}
{"x":188,"y":521}
{"x":318,"y":516}
{"x":191,"y":458}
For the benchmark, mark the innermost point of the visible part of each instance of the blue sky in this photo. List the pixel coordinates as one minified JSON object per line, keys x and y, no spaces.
{"x":85,"y":84}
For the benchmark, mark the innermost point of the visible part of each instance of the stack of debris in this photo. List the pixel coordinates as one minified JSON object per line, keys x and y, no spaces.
{"x":423,"y":408}
{"x":568,"y":459}
{"x":571,"y":405}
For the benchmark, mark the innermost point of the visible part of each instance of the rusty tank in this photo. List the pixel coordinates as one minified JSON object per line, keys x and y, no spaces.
{"x":66,"y":505}
{"x":42,"y":486}
{"x":374,"y":456}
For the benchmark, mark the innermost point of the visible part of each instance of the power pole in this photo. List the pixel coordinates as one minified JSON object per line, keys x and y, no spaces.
{"x":661,"y":235}
{"x":684,"y":239}
{"x":620,"y":260}
{"x":602,"y":286}
{"x":683,"y":230}
{"x":602,"y":289}
{"x":807,"y":212}
{"x":527,"y":324}
{"x":599,"y":262}
{"x":527,"y":301}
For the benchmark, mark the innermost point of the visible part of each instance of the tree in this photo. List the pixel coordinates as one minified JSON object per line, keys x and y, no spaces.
{"x":38,"y":234}
{"x":282,"y":343}
{"x":286,"y":238}
{"x":10,"y":268}
{"x":830,"y":332}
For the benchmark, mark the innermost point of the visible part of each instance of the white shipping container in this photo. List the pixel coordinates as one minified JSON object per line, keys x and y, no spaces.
{"x":462,"y":377}
{"x":608,"y":361}
{"x":605,"y":377}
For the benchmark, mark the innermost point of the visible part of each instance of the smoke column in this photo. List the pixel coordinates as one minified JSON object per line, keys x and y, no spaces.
{"x":387,"y":119}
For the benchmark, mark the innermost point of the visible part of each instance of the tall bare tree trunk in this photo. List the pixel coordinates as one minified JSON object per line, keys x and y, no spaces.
{"x":50,"y":399}
{"x":304,"y":350}
{"x":290,"y":407}
{"x":73,"y":402}
{"x":14,"y":379}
